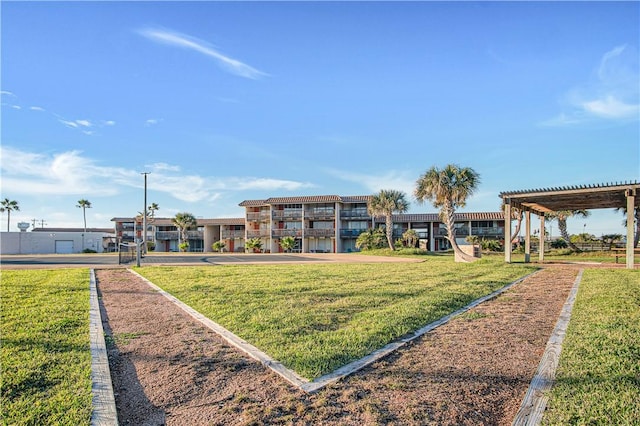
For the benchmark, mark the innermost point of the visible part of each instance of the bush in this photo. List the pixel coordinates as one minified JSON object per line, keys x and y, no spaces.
{"x":89,"y":251}
{"x":559,"y":244}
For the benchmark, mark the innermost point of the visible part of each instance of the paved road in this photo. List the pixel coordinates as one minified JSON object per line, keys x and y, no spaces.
{"x":111,"y":260}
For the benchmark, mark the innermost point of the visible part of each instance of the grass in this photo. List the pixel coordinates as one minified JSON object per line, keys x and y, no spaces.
{"x":598,"y":378}
{"x":45,"y":354}
{"x":316,"y":318}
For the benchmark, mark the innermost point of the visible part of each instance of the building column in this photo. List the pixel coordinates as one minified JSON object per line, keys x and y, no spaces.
{"x":630,"y":193}
{"x":507,"y":230}
{"x":542,"y":237}
{"x":337,"y":227}
{"x":432,"y":240}
{"x":527,"y":236}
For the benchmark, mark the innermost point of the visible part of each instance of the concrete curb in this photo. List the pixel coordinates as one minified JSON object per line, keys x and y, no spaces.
{"x":535,"y":400}
{"x":344,"y":371}
{"x":103,"y":401}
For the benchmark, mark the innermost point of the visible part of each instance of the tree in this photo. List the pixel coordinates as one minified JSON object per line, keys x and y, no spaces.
{"x":152,"y":210}
{"x":218,"y":246}
{"x":84,"y":205}
{"x":370,"y":239}
{"x":386,"y":203}
{"x":184,"y":221}
{"x":9,"y":206}
{"x":447,"y":189}
{"x":517,"y":214}
{"x":562,"y":216}
{"x":636,"y":237}
{"x":410,"y":238}
{"x":287,"y":243}
{"x":611,"y":239}
{"x":253,"y":244}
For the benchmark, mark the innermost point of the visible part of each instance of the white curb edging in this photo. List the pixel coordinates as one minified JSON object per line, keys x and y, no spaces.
{"x":346,"y":370}
{"x":535,"y":400}
{"x":103,"y":401}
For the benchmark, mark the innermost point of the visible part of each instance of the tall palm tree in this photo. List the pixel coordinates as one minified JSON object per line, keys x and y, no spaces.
{"x":9,"y":206}
{"x":184,"y":221}
{"x":562,"y":216}
{"x":84,"y":205}
{"x":386,"y":203}
{"x":153,"y":207}
{"x":636,"y":211}
{"x":447,"y":189}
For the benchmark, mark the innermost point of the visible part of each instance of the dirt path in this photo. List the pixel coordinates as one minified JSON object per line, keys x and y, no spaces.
{"x":169,"y":369}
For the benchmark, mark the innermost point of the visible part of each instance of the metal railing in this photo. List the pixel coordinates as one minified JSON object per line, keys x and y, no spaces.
{"x":322,"y":232}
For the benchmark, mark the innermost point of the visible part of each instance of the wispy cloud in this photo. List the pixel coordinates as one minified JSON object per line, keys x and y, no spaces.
{"x":36,"y":108}
{"x":7,"y":93}
{"x":612,"y":95}
{"x":184,"y":41}
{"x":392,"y":179}
{"x":152,"y":122}
{"x":71,"y":173}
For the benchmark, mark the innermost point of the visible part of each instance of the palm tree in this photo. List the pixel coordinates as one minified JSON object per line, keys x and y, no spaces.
{"x":253,"y":244}
{"x":447,"y":189}
{"x":9,"y":206}
{"x":152,"y":210}
{"x":386,"y":203}
{"x":636,"y":237}
{"x":184,"y":221}
{"x":287,"y":243}
{"x":410,"y":238}
{"x":84,"y":205}
{"x":562,"y":216}
{"x":516,"y":213}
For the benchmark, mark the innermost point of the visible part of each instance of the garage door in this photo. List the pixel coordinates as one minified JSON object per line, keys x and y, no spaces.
{"x":64,"y":246}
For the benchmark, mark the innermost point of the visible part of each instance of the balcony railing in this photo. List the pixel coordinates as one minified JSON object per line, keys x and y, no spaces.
{"x":351,"y":233}
{"x":320,"y":214}
{"x":175,"y":235}
{"x":354,"y":214}
{"x":254,"y":233}
{"x":232,"y":234}
{"x":480,"y":232}
{"x":287,"y":232}
{"x":167,"y":235}
{"x":323,"y":232}
{"x":289,"y":214}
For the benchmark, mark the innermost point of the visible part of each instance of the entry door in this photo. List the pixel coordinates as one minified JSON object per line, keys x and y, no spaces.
{"x":64,"y":246}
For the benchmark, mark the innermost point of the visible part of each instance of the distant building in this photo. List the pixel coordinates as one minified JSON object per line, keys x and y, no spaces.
{"x":58,"y":241}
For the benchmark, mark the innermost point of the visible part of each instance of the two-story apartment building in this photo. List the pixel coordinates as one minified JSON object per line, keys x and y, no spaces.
{"x":332,"y":223}
{"x":319,"y":224}
{"x":165,"y":235}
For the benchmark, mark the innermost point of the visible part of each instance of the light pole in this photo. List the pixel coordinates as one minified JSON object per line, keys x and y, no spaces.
{"x":144,"y":215}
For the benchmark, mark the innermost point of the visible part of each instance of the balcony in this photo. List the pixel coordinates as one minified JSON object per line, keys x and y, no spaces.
{"x":322,"y":232}
{"x":262,"y":216}
{"x":320,"y":214}
{"x":231,"y":234}
{"x":287,"y":214}
{"x":287,"y":232}
{"x":354,"y":214}
{"x":351,"y":233}
{"x":256,"y":233}
{"x":167,"y":235}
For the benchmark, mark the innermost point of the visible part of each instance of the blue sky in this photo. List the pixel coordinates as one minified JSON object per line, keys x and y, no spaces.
{"x":227,"y":101}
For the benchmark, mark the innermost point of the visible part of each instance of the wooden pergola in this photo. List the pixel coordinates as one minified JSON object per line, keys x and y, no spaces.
{"x":588,"y":197}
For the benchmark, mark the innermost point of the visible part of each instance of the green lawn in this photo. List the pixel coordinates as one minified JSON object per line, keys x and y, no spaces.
{"x":45,"y":354}
{"x":598,"y":378}
{"x":316,"y":318}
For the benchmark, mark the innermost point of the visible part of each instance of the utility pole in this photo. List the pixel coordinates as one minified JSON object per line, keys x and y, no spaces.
{"x":144,"y":217}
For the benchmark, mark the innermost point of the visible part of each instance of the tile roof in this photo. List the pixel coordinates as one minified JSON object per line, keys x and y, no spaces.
{"x":308,"y":199}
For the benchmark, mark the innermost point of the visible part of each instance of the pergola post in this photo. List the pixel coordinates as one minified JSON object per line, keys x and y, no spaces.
{"x":527,"y":236}
{"x":541,"y":242}
{"x":507,"y":230}
{"x":630,"y":194}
